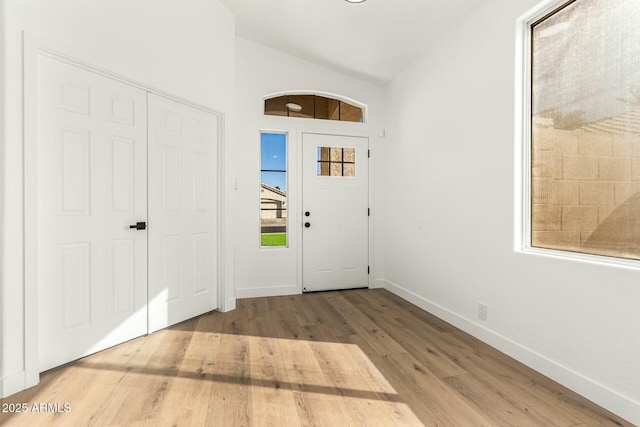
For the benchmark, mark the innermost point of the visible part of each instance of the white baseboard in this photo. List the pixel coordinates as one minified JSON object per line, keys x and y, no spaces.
{"x":613,"y":401}
{"x":377,"y":284}
{"x":272,"y":291}
{"x":12,"y":384}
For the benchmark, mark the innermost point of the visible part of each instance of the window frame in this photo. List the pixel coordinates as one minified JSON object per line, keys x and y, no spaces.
{"x":523,"y":145}
{"x":355,"y":103}
{"x":287,"y":171}
{"x":342,"y":162}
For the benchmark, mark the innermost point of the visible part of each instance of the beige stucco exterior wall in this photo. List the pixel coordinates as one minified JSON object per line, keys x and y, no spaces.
{"x":580,"y":180}
{"x":273,"y":210}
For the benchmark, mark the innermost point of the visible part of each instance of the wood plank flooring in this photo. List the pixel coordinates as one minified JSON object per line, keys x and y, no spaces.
{"x":350,"y":358}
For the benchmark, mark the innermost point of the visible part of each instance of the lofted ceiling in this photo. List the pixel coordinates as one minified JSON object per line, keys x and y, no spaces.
{"x":374,"y":40}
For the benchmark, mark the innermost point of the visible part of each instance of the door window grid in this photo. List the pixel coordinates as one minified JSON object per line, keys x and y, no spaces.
{"x":336,"y":161}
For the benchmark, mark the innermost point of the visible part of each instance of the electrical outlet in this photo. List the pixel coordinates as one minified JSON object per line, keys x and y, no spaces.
{"x":482,"y":311}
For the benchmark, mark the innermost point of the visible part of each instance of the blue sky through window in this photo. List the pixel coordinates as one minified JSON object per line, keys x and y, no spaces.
{"x":273,"y":156}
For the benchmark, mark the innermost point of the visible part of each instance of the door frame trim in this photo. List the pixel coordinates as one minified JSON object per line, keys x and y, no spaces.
{"x":31,"y":49}
{"x":300,"y":195}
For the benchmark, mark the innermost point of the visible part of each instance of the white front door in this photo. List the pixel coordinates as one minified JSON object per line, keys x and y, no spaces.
{"x":92,"y":185}
{"x":335,"y":212}
{"x":183,"y":212}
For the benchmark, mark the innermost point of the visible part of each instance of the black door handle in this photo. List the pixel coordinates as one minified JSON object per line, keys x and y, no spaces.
{"x":307,"y":213}
{"x":139,"y":226}
{"x":307,"y":224}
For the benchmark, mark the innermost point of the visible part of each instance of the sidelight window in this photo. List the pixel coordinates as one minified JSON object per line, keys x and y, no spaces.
{"x":273,"y":189}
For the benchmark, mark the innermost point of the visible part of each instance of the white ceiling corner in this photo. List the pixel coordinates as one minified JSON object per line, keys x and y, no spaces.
{"x":374,"y":40}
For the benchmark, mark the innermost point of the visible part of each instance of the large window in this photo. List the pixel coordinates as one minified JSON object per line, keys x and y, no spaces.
{"x":273,"y":189}
{"x":585,"y":129}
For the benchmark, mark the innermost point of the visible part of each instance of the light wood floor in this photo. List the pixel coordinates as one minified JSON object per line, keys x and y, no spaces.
{"x":363,"y":357}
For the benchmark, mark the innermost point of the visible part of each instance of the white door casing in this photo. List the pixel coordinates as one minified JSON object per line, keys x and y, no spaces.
{"x":183,"y":255}
{"x":92,"y":268}
{"x":335,"y":245}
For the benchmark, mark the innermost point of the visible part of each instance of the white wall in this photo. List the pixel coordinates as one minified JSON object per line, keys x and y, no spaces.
{"x":2,"y":181}
{"x":185,"y":48}
{"x":261,"y":71}
{"x":449,"y":224}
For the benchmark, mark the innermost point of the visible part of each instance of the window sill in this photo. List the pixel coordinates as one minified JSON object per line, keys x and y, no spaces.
{"x":603,"y":260}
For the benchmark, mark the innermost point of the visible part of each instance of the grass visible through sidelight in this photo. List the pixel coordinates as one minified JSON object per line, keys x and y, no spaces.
{"x":279,"y":239}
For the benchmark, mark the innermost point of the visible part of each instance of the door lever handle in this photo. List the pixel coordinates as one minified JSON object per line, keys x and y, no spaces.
{"x":139,"y":226}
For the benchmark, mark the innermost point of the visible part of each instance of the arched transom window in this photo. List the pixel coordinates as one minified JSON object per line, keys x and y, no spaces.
{"x":313,"y":107}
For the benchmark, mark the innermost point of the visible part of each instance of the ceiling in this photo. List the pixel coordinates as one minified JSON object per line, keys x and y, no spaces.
{"x":374,"y":40}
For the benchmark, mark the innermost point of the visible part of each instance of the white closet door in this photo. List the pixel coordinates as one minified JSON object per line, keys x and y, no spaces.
{"x":183,"y":219}
{"x":92,"y":185}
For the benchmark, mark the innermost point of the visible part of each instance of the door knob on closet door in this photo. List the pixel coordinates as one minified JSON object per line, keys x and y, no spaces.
{"x":139,"y":226}
{"x":307,"y":213}
{"x":307,"y":224}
